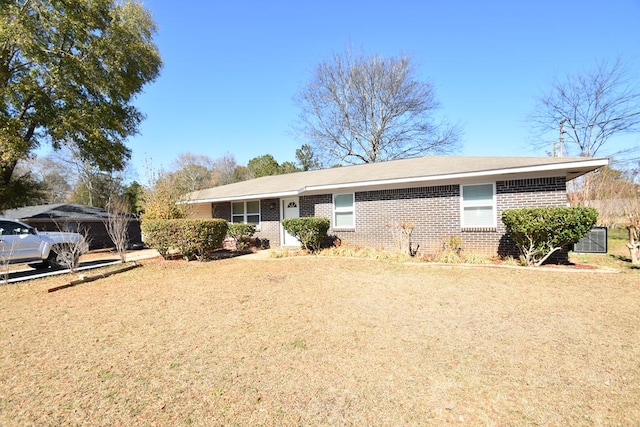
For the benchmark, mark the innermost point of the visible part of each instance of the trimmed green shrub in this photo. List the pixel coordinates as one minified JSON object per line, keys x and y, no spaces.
{"x":539,"y":232}
{"x":191,"y":238}
{"x":309,"y":230}
{"x":241,"y":231}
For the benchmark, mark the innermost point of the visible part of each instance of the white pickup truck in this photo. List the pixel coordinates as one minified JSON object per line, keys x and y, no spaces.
{"x":23,"y":244}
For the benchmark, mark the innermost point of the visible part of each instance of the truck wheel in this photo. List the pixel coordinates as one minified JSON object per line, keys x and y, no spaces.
{"x":54,"y":261}
{"x":58,"y":260}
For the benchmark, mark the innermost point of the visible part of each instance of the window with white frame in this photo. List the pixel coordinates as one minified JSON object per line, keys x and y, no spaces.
{"x":478,"y":208}
{"x":248,"y":212}
{"x":344,"y":211}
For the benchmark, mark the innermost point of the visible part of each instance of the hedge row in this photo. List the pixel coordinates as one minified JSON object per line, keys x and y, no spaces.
{"x":191,"y":238}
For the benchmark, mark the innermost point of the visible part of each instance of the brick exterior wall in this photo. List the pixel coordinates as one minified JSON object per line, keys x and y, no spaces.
{"x":270,"y":221}
{"x":269,"y":218}
{"x":524,"y":193}
{"x":434,"y":211}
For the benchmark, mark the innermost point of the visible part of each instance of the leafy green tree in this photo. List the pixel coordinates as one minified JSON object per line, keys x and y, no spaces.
{"x":23,"y":190}
{"x":134,"y":197}
{"x":241,"y":173}
{"x":263,"y":166}
{"x":267,"y":165}
{"x":97,"y":190}
{"x":288,"y":167}
{"x":69,"y":72}
{"x":307,"y":159}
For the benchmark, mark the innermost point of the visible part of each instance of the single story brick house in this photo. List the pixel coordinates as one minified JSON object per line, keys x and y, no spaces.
{"x":441,"y":196}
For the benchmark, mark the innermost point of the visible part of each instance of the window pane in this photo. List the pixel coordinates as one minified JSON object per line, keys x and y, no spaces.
{"x":253,"y":219}
{"x":478,"y":217}
{"x":253,"y":207}
{"x":237,"y":218}
{"x":344,"y":201}
{"x":237,"y":208}
{"x":477,"y":192}
{"x":344,"y":219}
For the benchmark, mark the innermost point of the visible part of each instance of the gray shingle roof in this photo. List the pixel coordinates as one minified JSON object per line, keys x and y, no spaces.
{"x":397,"y":173}
{"x":57,"y":211}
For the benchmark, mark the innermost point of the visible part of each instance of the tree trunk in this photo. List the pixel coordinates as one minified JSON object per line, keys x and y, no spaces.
{"x":634,"y":241}
{"x":6,"y":172}
{"x":634,"y":252}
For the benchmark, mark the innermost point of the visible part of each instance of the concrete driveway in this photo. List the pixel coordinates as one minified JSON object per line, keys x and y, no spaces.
{"x":91,"y":260}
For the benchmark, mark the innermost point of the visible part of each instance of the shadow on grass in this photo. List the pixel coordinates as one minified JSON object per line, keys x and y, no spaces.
{"x":213,"y":256}
{"x":26,"y":274}
{"x":621,"y":258}
{"x":226,"y":254}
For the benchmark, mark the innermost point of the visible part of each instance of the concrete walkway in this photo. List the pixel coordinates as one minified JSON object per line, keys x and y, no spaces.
{"x":140,"y":254}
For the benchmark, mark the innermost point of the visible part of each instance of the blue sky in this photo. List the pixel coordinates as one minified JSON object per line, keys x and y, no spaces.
{"x":231,"y":69}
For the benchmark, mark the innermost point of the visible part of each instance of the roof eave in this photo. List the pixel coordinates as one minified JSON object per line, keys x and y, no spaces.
{"x":257,"y":196}
{"x":571,"y":169}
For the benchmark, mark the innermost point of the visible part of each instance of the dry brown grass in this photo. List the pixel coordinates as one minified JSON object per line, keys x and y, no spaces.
{"x":322,"y":341}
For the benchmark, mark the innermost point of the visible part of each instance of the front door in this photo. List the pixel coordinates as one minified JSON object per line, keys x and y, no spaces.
{"x":290,"y":209}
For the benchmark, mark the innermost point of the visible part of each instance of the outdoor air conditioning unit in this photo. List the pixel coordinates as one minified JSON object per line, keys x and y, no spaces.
{"x":593,"y":243}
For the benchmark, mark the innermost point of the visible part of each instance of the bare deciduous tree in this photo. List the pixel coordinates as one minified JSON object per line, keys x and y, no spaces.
{"x":117,"y":226}
{"x":6,"y":253}
{"x":587,"y":109}
{"x":56,"y":178}
{"x":633,"y":227}
{"x":193,"y":172}
{"x":365,"y":109}
{"x":616,"y":195}
{"x":92,"y":186}
{"x":227,"y":171}
{"x":67,"y":254}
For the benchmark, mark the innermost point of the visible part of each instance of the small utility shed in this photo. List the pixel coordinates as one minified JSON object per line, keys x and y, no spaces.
{"x":73,"y":217}
{"x":442,"y":196}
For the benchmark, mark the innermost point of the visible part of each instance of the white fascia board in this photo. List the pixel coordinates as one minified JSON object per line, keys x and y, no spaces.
{"x":243,"y":197}
{"x":459,"y":176}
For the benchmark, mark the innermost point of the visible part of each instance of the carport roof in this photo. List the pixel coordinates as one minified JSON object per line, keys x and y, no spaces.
{"x":57,"y":211}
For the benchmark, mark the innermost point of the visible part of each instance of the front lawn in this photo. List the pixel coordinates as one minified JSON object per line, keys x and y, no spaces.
{"x":322,"y":341}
